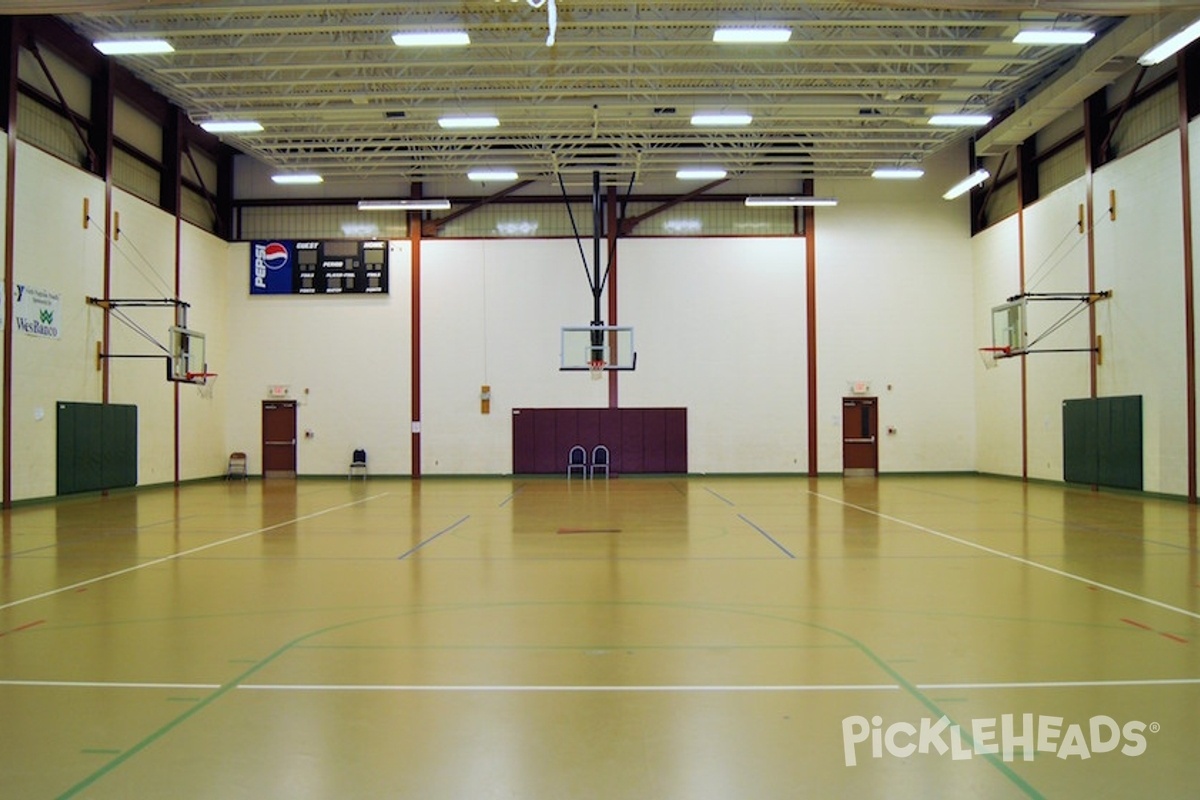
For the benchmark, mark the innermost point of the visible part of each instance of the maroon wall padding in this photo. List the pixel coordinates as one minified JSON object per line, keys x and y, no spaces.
{"x":639,"y":440}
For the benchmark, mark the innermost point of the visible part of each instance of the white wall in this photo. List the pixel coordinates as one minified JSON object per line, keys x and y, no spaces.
{"x":1055,"y":261}
{"x":1140,"y":257}
{"x":995,"y":254}
{"x":904,"y":299}
{"x":53,"y":251}
{"x":346,"y":359}
{"x":719,"y":326}
{"x":492,"y":313}
{"x":894,"y":282}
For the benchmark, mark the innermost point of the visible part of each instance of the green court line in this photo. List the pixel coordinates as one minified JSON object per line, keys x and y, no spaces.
{"x":908,"y":687}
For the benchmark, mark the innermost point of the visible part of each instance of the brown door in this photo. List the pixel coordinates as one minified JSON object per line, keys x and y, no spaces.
{"x":279,"y":439}
{"x":860,"y":440}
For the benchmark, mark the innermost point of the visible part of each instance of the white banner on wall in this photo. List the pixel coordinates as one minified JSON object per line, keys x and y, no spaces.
{"x":37,"y":312}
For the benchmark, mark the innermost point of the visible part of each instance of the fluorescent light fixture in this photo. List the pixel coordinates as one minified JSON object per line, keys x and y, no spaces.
{"x":792,"y":200}
{"x":232,"y":126}
{"x":1053,"y":37}
{"x":701,"y":174}
{"x":492,"y":175}
{"x":965,"y":185}
{"x":404,"y":205}
{"x":752,"y":35}
{"x":960,"y":120}
{"x":297,"y":178}
{"x":1171,"y":45}
{"x":133,"y":47}
{"x":718,"y":118}
{"x":469,"y":122}
{"x":898,"y":173}
{"x":431,"y":38}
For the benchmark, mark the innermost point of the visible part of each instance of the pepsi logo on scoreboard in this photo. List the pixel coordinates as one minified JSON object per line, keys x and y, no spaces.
{"x":318,"y":267}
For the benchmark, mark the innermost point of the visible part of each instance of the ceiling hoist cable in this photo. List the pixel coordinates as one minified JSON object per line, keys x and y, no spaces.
{"x":551,"y":13}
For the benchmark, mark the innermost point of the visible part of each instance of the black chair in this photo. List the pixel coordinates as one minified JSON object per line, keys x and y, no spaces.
{"x":358,"y":464}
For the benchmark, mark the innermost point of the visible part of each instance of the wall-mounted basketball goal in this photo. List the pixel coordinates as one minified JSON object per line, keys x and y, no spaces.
{"x":1010,"y":325}
{"x":597,"y":349}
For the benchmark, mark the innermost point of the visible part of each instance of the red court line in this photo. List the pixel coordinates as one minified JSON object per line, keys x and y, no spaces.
{"x":1136,"y":624}
{"x":589,"y":530}
{"x":1173,"y":637}
{"x":24,"y":627}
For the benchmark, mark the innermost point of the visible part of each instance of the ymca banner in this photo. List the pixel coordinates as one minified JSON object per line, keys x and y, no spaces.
{"x":37,"y":312}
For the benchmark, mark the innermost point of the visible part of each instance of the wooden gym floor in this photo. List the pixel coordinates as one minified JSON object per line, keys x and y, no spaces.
{"x":704,"y":637}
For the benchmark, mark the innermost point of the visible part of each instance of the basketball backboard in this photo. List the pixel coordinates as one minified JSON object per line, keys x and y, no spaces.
{"x":584,"y":347}
{"x":1009,"y":326}
{"x":186,"y":362}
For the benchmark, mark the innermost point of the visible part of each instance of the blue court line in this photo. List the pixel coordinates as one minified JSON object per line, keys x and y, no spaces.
{"x":770,"y":538}
{"x":724,"y":500}
{"x":431,"y":538}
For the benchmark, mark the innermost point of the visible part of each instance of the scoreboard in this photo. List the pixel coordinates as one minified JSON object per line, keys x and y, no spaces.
{"x":318,"y":267}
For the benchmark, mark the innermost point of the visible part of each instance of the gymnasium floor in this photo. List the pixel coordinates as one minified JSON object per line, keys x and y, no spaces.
{"x":704,"y":637}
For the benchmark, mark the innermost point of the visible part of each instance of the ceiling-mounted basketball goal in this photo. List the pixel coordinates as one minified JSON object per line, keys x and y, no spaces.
{"x":596,"y":348}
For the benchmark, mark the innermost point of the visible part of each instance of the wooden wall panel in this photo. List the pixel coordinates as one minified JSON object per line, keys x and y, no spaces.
{"x":640,"y":440}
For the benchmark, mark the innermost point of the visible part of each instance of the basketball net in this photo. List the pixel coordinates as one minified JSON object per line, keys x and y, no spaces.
{"x":597,"y":369}
{"x":991,"y":356}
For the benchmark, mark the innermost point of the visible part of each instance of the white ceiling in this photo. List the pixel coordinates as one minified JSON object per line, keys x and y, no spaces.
{"x":852,"y":90}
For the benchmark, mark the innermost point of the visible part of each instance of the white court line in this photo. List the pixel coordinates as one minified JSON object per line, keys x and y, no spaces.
{"x":155,"y":562}
{"x":1064,"y":684}
{"x":992,"y":551}
{"x":110,"y":685}
{"x":664,"y":688}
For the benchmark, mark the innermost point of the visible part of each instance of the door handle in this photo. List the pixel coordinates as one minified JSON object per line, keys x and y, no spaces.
{"x":293,"y":441}
{"x":869,"y":440}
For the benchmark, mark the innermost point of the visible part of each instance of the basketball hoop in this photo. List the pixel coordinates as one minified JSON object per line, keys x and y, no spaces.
{"x":596,"y":368}
{"x":992,"y":355}
{"x":204,"y":382}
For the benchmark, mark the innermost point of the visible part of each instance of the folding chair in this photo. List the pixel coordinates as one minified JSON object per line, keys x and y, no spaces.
{"x":577,"y":460}
{"x":358,"y":463}
{"x":237,"y":466}
{"x":600,"y":460}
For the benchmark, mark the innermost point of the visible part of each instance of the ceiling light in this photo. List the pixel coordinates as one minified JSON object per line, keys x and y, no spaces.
{"x":469,"y":122}
{"x":963,"y":120}
{"x":752,"y":35}
{"x":1170,"y":46}
{"x":133,"y":47}
{"x":231,"y":126}
{"x":970,"y":182}
{"x":492,"y":175}
{"x":719,"y":118}
{"x":792,"y":200}
{"x":1053,"y":37}
{"x":431,"y":38}
{"x":297,"y":178}
{"x":701,"y":173}
{"x":404,"y":205}
{"x":898,"y":173}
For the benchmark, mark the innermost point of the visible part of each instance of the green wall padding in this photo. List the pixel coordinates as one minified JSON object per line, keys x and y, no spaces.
{"x":1102,"y":441}
{"x":97,"y":447}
